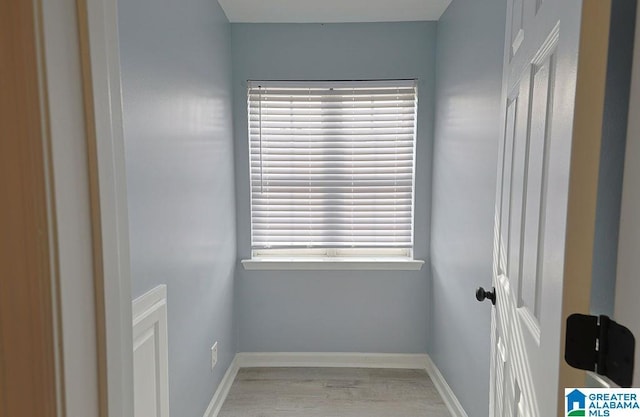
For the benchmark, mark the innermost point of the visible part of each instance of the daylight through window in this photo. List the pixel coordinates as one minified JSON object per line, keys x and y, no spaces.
{"x":332,"y":166}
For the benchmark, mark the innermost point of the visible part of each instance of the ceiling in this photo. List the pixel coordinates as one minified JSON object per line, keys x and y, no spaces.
{"x":332,"y":11}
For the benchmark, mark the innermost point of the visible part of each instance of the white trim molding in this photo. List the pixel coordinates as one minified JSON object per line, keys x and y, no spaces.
{"x":447,"y":394}
{"x":334,"y":360}
{"x":151,"y":354}
{"x":223,"y":389}
{"x":101,"y":18}
{"x":328,"y":264}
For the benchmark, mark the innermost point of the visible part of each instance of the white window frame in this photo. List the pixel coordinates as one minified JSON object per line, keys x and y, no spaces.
{"x":337,"y":258}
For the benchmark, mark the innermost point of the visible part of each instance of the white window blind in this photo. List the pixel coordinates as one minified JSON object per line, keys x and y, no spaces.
{"x":332,"y":164}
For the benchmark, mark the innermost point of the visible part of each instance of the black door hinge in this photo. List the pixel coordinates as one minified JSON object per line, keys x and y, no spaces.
{"x":601,"y":345}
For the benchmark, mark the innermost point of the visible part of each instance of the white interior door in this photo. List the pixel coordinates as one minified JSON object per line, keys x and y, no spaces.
{"x":545,"y":196}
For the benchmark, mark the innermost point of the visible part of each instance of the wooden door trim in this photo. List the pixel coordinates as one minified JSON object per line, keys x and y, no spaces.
{"x":30,"y":350}
{"x":91,"y":27}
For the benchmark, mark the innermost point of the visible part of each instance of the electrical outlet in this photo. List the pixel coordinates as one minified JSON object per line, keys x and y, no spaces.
{"x":214,"y":355}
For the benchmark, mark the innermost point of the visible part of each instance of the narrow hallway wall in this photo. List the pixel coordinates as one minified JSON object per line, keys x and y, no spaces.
{"x":176,"y":69}
{"x":468,"y":88}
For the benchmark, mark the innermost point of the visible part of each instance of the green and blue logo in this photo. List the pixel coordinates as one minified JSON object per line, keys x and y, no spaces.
{"x":602,"y":402}
{"x":576,"y":401}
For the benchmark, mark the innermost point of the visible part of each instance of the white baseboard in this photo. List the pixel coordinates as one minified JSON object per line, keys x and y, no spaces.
{"x":223,"y":389}
{"x":450,"y":399}
{"x":331,"y":360}
{"x":334,"y":360}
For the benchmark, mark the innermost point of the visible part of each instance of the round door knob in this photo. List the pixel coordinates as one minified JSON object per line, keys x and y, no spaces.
{"x":482,"y":294}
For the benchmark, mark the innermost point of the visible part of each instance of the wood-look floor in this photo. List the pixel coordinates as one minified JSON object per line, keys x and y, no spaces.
{"x":332,"y":392}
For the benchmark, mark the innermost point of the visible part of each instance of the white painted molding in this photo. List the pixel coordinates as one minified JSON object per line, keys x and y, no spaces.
{"x":223,"y":389}
{"x":146,"y":303}
{"x":151,"y":354}
{"x":331,"y":265}
{"x":102,"y":23}
{"x":447,"y":394}
{"x":71,"y":239}
{"x":332,"y":360}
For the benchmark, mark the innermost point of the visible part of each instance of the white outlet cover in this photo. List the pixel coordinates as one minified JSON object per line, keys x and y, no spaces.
{"x":214,"y":355}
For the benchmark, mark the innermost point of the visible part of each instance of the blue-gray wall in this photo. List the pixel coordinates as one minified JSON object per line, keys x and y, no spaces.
{"x":338,"y":311}
{"x":176,"y":69}
{"x":468,"y":88}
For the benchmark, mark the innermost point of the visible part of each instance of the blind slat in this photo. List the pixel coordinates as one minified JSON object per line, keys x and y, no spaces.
{"x":329,"y":185}
{"x":328,"y":177}
{"x":330,"y":116}
{"x":335,"y":214}
{"x":332,"y":165}
{"x":342,"y":92}
{"x":333,"y":156}
{"x":360,"y":103}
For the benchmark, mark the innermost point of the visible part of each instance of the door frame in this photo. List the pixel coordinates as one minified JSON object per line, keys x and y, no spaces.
{"x":627,"y":310}
{"x":30,"y":354}
{"x":99,"y":43}
{"x":101,"y":78}
{"x":82,"y":169}
{"x":586,"y":145}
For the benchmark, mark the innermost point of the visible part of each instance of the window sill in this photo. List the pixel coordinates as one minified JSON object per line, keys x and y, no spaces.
{"x":332,"y":264}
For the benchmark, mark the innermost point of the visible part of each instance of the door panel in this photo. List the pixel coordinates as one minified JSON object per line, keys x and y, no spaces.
{"x":505,"y":200}
{"x":517,"y":25}
{"x":520,"y":289}
{"x":530,"y":279}
{"x":516,"y":180}
{"x":501,"y":368}
{"x":535,"y":197}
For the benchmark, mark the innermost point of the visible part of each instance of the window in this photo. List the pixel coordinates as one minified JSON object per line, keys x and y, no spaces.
{"x":332,"y":169}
